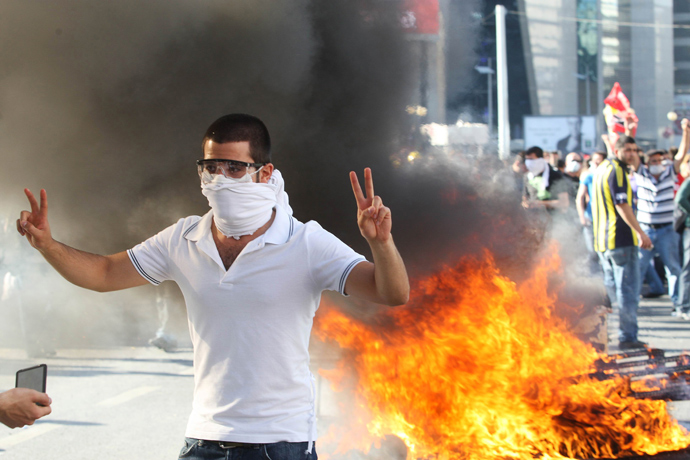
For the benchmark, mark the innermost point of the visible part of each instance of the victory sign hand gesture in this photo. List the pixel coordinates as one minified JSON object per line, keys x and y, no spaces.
{"x":34,"y":224}
{"x":373,"y":218}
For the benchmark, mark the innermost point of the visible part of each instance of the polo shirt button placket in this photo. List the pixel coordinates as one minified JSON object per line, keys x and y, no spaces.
{"x":226,"y":282}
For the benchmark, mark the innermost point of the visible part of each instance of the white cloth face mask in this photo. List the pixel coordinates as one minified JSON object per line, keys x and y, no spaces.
{"x":535,"y":165}
{"x":572,"y":167}
{"x":240,"y":206}
{"x":657,"y":169}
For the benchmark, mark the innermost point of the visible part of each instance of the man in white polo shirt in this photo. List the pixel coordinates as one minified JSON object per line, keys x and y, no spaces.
{"x":252,"y":277}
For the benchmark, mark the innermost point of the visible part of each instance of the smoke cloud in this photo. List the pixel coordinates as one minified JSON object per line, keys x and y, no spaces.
{"x":105,"y":107}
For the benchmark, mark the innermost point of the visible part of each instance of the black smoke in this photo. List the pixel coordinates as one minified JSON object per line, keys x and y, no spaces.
{"x":105,"y":104}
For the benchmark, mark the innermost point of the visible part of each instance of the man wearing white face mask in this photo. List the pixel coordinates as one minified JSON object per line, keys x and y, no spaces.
{"x":543,"y":185}
{"x":252,"y":277}
{"x":655,"y":192}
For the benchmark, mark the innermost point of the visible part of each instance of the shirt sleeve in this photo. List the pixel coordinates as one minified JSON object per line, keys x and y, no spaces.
{"x":330,"y":260}
{"x":152,"y":257}
{"x":587,"y":179}
{"x":619,"y":186}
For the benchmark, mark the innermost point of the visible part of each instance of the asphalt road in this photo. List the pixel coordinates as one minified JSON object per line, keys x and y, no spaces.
{"x":659,"y":329}
{"x":107,"y":403}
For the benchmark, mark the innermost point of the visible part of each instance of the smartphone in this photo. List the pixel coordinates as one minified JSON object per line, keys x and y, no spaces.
{"x":33,"y":377}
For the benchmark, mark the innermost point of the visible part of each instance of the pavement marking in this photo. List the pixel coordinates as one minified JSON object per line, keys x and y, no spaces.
{"x":127,"y":396}
{"x":26,"y":434}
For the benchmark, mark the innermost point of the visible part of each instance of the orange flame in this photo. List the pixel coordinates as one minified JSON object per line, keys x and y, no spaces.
{"x":477,"y":367}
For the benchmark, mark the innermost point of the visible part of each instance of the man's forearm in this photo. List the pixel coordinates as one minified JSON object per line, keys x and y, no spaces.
{"x":548,"y":204}
{"x":81,"y":268}
{"x":392,"y":284}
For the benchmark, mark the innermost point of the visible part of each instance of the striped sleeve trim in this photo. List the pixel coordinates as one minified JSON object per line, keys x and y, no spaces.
{"x":346,"y":273}
{"x":292,"y":228}
{"x":140,"y":269}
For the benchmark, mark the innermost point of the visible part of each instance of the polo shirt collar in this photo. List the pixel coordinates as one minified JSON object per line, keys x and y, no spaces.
{"x":203,"y":226}
{"x":279,"y":232}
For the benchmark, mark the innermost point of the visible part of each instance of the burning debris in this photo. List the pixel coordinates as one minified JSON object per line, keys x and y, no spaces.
{"x":652,"y":373}
{"x":479,"y":367}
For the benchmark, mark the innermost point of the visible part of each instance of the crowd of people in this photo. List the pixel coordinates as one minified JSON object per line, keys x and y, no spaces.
{"x":632,"y":208}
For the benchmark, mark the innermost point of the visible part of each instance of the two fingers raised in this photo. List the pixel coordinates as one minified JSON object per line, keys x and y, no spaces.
{"x":363,"y":202}
{"x":370,"y":204}
{"x":39,"y":213}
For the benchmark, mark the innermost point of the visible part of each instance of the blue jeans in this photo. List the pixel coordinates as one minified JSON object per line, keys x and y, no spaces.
{"x":684,"y":278}
{"x":656,"y":286}
{"x":665,"y":241}
{"x":197,"y":449}
{"x":622,"y":280}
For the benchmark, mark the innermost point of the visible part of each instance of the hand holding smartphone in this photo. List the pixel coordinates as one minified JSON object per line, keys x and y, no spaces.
{"x":33,"y":377}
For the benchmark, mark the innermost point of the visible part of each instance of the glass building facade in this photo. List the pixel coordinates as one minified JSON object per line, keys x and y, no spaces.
{"x":577,"y":50}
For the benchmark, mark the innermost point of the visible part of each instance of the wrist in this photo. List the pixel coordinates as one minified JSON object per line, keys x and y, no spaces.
{"x":376,"y":243}
{"x":48,"y":247}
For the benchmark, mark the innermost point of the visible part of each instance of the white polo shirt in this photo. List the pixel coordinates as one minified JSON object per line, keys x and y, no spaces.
{"x":250,"y":325}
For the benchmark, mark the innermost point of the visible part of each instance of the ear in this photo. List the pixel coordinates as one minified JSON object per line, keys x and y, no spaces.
{"x":266,"y":173}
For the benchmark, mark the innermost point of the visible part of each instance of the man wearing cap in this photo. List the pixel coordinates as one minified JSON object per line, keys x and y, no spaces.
{"x":656,"y":182}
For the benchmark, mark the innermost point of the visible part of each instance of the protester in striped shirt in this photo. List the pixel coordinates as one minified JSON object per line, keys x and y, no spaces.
{"x":656,"y":181}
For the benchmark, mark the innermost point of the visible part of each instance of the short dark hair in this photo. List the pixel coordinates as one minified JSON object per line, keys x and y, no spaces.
{"x":535,"y":150}
{"x":650,"y":153}
{"x":620,"y":143}
{"x":598,"y":152}
{"x":240,"y":127}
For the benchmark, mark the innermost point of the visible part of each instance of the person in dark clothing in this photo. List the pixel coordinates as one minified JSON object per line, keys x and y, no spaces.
{"x":544,"y":186}
{"x":682,"y":202}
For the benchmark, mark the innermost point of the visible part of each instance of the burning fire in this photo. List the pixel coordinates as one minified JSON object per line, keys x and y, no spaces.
{"x":477,"y":367}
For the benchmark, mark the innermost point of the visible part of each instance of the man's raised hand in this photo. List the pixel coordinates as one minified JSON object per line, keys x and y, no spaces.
{"x":34,"y":224}
{"x":373,"y":218}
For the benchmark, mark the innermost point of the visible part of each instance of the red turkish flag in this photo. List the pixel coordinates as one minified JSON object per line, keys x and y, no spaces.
{"x":616,"y":111}
{"x":617,"y":99}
